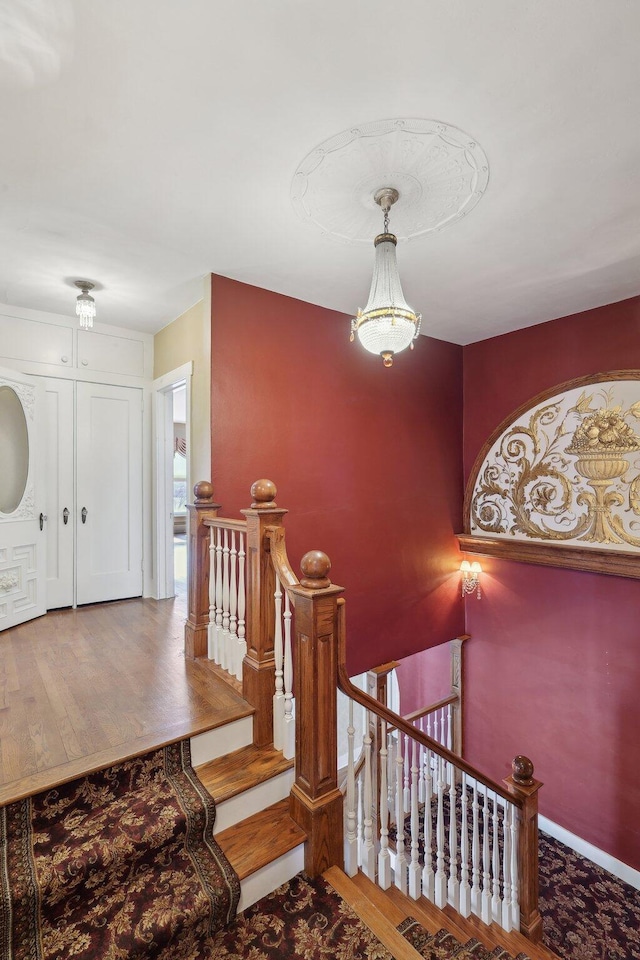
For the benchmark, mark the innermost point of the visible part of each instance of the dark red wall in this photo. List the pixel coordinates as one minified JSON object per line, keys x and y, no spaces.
{"x":367,"y":460}
{"x":554,"y":659}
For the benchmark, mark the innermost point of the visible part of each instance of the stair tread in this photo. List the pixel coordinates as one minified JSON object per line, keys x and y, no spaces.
{"x":260,"y":839}
{"x":463,"y":928}
{"x":230,"y":775}
{"x":382,"y":926}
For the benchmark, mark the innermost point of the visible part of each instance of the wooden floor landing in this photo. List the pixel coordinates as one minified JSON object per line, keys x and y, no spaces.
{"x":83,"y":689}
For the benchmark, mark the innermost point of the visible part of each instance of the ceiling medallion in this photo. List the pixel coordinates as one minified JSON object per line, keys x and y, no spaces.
{"x":440,"y":172}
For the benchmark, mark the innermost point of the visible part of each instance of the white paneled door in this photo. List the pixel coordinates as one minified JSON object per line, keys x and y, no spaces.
{"x":59,"y":491}
{"x":22,"y":505}
{"x":108,"y":492}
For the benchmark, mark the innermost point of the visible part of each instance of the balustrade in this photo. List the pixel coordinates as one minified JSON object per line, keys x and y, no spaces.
{"x":414,"y":813}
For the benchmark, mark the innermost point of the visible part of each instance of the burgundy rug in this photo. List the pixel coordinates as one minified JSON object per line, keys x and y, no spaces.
{"x":302,"y":920}
{"x":118,"y":864}
{"x":444,"y":946}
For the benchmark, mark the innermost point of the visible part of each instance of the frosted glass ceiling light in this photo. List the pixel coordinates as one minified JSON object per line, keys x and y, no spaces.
{"x":387,"y":324}
{"x":85,"y":304}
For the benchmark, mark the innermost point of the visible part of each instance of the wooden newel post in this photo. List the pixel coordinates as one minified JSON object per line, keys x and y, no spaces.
{"x":316,"y":801}
{"x":196,"y":627}
{"x":522,"y":784}
{"x":258,"y":668}
{"x":457,"y":688}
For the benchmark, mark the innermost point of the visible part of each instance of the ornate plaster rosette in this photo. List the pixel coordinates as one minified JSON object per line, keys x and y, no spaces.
{"x":439,"y":171}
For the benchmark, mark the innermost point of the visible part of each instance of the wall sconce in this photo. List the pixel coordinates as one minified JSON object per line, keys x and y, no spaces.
{"x":471,"y":577}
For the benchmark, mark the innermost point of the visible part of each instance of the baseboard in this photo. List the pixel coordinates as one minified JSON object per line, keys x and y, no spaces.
{"x":619,"y":869}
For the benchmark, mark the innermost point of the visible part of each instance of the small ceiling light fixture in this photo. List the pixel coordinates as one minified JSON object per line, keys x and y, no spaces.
{"x":471,"y":578}
{"x":85,"y":304}
{"x":387,"y":324}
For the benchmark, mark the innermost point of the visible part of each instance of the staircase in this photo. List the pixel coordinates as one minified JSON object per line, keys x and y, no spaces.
{"x":386,"y":913}
{"x":251,"y":787}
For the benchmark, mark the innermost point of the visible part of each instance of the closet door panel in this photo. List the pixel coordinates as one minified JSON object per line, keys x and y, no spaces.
{"x":109,"y":492}
{"x":59,"y":491}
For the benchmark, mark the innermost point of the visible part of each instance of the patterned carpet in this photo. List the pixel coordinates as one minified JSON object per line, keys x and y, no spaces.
{"x":118,"y":864}
{"x":302,"y":920}
{"x":587,"y":913}
{"x":444,"y":946}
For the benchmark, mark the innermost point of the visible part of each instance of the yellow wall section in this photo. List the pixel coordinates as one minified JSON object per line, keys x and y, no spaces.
{"x":189,"y":338}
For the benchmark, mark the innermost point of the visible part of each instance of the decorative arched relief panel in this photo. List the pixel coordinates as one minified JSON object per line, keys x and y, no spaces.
{"x":558,"y":482}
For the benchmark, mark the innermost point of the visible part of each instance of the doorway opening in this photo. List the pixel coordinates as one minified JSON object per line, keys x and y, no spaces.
{"x":172,"y":404}
{"x":179,"y":479}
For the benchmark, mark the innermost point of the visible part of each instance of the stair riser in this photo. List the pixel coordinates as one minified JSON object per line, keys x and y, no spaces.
{"x":246,"y":804}
{"x":268,"y":878}
{"x":222,"y":740}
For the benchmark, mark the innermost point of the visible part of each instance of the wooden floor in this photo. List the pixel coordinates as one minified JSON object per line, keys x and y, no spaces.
{"x":83,"y":689}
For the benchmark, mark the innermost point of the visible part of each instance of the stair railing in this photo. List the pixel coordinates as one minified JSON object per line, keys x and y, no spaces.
{"x":483,"y":859}
{"x":443,"y":720}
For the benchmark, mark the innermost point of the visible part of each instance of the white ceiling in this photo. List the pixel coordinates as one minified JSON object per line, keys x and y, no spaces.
{"x":148,"y":142}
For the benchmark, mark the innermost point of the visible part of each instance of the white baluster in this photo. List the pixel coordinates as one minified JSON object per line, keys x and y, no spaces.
{"x":289,"y":726}
{"x":449,"y":727}
{"x":443,"y":732}
{"x":278,"y":655}
{"x":401,"y":857}
{"x":475,"y":853}
{"x":453,"y":887}
{"x":436,"y":728}
{"x":384,"y":859}
{"x":428,"y":887}
{"x":225,"y":602}
{"x":242,"y":605}
{"x":360,"y":820}
{"x":496,"y":906}
{"x":486,"y":862}
{"x":420,"y":725}
{"x":441,"y":877}
{"x":368,"y":854}
{"x":406,"y":793}
{"x":211,"y":627}
{"x":465,"y":889}
{"x":414,"y":867}
{"x":391,"y":790}
{"x":506,"y":919}
{"x":219,"y":615}
{"x":515,"y":877}
{"x":233,"y":604}
{"x":351,"y":837}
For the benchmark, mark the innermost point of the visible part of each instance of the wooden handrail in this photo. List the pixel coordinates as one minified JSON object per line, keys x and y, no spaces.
{"x":226,"y":523}
{"x":438,"y":705}
{"x":280,"y":560}
{"x":394,"y":720}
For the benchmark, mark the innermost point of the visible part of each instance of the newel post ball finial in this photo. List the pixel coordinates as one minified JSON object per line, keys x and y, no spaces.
{"x":202,"y":491}
{"x":264,"y":494}
{"x":315,"y":566}
{"x":522,"y":769}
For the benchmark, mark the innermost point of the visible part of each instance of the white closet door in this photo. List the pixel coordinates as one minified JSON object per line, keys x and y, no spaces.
{"x":22,"y":505}
{"x":109,"y":492}
{"x":59,"y":491}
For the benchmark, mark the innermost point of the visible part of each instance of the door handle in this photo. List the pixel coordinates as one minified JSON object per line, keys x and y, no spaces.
{"x":43,"y":517}
{"x":65,"y":516}
{"x":83,"y":514}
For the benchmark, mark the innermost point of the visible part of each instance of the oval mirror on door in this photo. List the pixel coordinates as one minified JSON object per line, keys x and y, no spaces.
{"x":14,"y":450}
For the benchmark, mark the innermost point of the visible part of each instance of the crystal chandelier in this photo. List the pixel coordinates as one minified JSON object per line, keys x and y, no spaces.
{"x":387,"y":324}
{"x":85,"y":304}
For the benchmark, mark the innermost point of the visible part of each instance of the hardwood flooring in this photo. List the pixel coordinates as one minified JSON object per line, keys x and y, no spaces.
{"x":83,"y":689}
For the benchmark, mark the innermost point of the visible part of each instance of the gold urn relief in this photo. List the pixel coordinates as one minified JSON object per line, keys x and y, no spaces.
{"x":527,"y":488}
